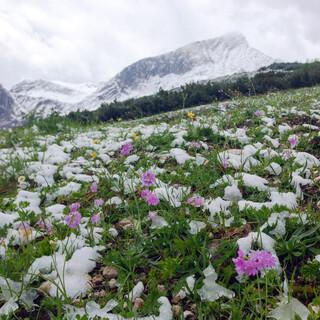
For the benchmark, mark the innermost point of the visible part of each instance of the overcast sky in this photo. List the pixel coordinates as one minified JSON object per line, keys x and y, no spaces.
{"x":92,"y":40}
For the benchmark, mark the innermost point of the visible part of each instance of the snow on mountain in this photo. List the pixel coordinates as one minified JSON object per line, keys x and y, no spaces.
{"x":43,"y":97}
{"x":198,"y":61}
{"x":7,"y":108}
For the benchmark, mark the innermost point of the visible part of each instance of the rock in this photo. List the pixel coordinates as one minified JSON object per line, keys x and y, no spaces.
{"x":112,"y":283}
{"x":110,"y":272}
{"x":161,"y":288}
{"x":125,"y":224}
{"x":176,"y":299}
{"x":97,"y":279}
{"x":100,"y":294}
{"x":189,"y":315}
{"x":138,"y":304}
{"x":176,"y":310}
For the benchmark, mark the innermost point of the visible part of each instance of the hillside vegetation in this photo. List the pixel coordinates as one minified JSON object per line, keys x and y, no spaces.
{"x":205,"y":213}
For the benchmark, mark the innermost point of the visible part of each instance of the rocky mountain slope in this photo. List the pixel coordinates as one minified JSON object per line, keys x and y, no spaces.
{"x":198,"y":61}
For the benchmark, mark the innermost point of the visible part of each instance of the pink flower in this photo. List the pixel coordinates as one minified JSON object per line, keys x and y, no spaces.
{"x":95,"y":218}
{"x":144,"y":193}
{"x":148,"y":178}
{"x":225,"y":163}
{"x":194,"y":145}
{"x":254,"y":262}
{"x":126,"y":149}
{"x":293,"y":140}
{"x":196,"y":201}
{"x":259,"y":113}
{"x":98,"y":202}
{"x":287,"y":154}
{"x":94,"y":187}
{"x":74,"y":206}
{"x":150,"y":197}
{"x":152,"y":215}
{"x":45,"y":225}
{"x":73,"y":219}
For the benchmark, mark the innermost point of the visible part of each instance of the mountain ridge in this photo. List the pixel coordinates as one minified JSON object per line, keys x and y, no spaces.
{"x":197,"y":61}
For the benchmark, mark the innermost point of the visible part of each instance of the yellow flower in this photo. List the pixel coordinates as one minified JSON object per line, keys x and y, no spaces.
{"x":135,"y":136}
{"x":191,"y":115}
{"x":95,"y":141}
{"x":93,"y":154}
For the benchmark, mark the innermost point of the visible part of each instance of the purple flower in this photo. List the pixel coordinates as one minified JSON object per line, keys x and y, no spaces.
{"x":98,"y":202}
{"x":254,"y":262}
{"x":144,"y":193}
{"x":73,"y":219}
{"x":225,"y":163}
{"x":74,"y":206}
{"x":126,"y":149}
{"x":196,"y":201}
{"x":148,"y":178}
{"x":150,"y":197}
{"x":45,"y":225}
{"x":259,"y":113}
{"x":195,"y":145}
{"x":293,"y":140}
{"x":94,"y":187}
{"x":95,"y":218}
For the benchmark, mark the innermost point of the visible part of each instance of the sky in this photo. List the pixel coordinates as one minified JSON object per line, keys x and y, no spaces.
{"x":92,"y":40}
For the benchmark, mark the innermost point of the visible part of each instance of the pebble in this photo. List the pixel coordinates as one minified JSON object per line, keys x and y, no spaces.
{"x":176,"y":310}
{"x":110,"y":272}
{"x":138,"y":304}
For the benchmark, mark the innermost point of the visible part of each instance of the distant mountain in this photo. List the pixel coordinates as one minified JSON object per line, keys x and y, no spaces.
{"x":198,"y":61}
{"x":7,"y":109}
{"x":43,"y":97}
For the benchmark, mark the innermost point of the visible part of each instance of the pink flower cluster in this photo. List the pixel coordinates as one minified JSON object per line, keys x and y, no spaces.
{"x":45,"y":225}
{"x":293,"y":140}
{"x":194,"y":145}
{"x":259,"y":113}
{"x":73,"y":219}
{"x":196,"y":201}
{"x":150,"y":197}
{"x":126,"y":149}
{"x":94,"y":187}
{"x":253,"y":263}
{"x":148,"y":178}
{"x":225,"y":163}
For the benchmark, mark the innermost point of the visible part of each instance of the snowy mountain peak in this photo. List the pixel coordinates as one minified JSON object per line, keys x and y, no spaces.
{"x":7,"y":108}
{"x":197,"y":61}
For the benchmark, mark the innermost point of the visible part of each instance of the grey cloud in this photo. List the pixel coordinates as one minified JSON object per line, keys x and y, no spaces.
{"x":83,"y":40}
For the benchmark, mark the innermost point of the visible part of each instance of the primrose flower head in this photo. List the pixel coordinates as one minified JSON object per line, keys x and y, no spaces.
{"x":126,"y":149}
{"x":74,"y":206}
{"x":259,"y":113}
{"x":254,"y":263}
{"x":98,"y":202}
{"x":150,"y":197}
{"x":95,"y":218}
{"x":293,"y":140}
{"x":225,"y":163}
{"x":196,"y":201}
{"x":45,"y":225}
{"x":148,"y":178}
{"x":94,"y":187}
{"x":73,"y":219}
